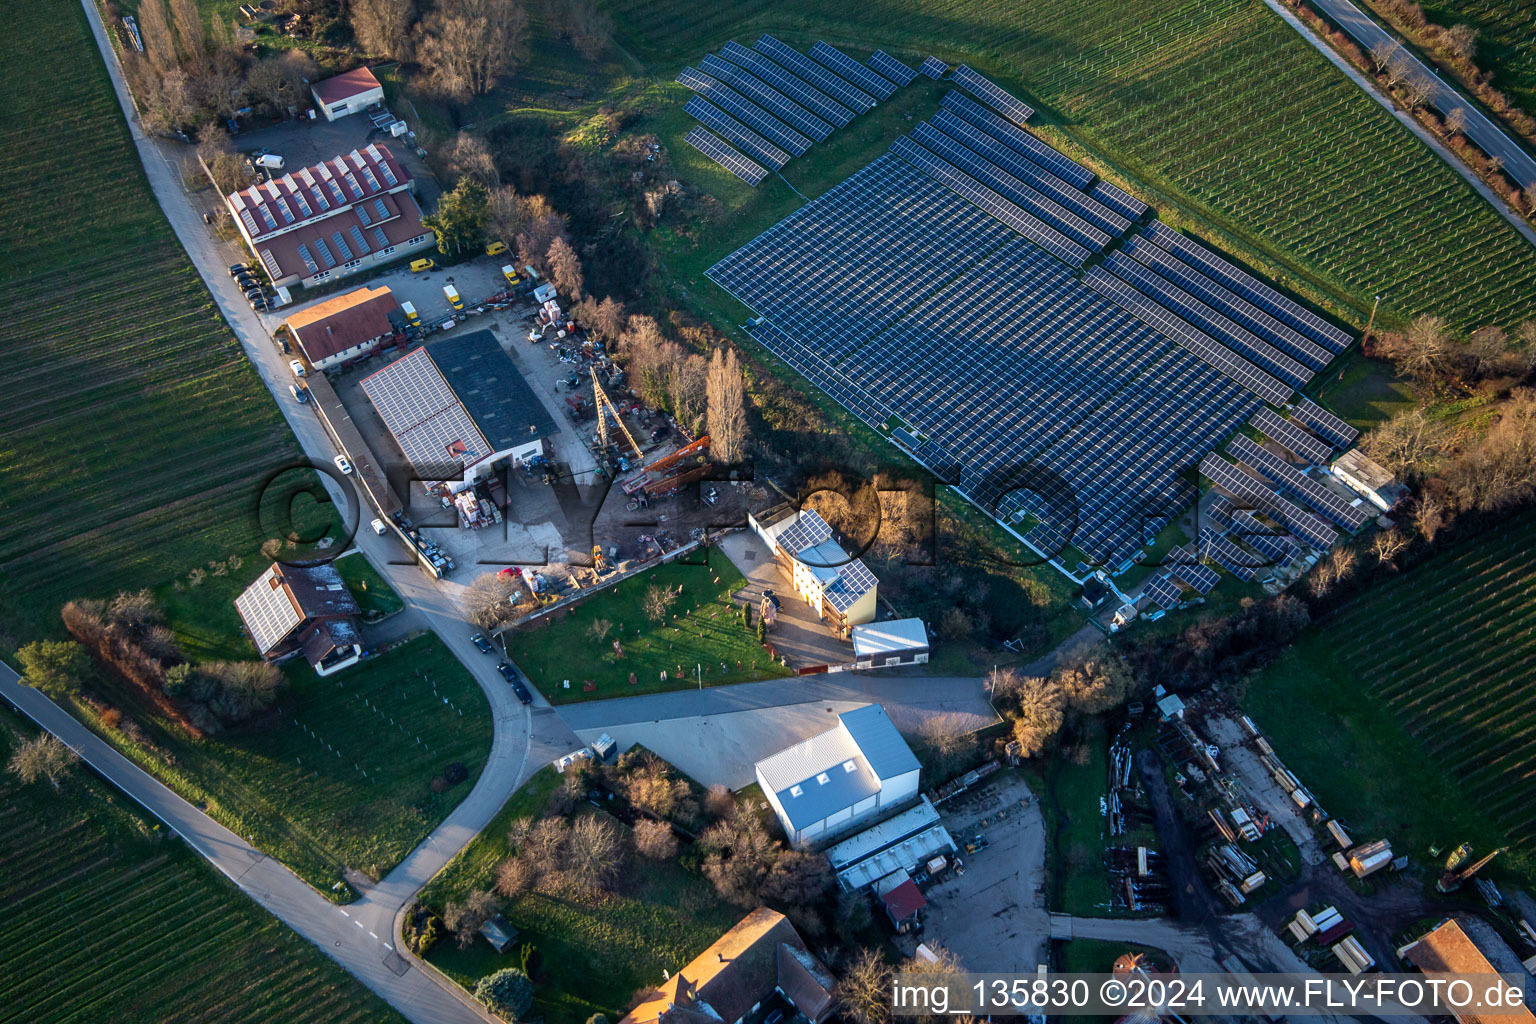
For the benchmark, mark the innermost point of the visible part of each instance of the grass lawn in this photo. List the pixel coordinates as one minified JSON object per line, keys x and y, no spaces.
{"x":1365,"y":391}
{"x":705,"y":630}
{"x":594,"y":952}
{"x":340,"y":774}
{"x":109,"y":917}
{"x":1424,"y":683}
{"x":374,"y":594}
{"x":1080,"y":885}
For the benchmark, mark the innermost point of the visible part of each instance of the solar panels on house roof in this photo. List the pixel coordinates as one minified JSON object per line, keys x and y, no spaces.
{"x":1293,"y":437}
{"x":891,"y":68}
{"x":837,"y":61}
{"x":933,"y":68}
{"x":721,"y":153}
{"x":992,"y":95}
{"x":1058,"y":164}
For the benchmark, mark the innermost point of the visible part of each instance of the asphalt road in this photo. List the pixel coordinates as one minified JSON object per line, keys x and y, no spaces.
{"x":1489,"y":137}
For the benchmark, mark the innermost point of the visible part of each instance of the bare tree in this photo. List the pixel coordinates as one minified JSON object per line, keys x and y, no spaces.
{"x":1456,"y":121}
{"x":798,"y":878}
{"x":279,"y":81}
{"x":488,"y":599}
{"x":468,"y":157}
{"x":737,"y":855}
{"x":42,"y":757}
{"x":1417,"y":88}
{"x":383,"y":27}
{"x":1426,"y":348}
{"x":1399,"y":67}
{"x":864,"y":990}
{"x":726,"y":403}
{"x":719,"y":801}
{"x":600,"y":629}
{"x":1410,"y":444}
{"x":506,"y":214}
{"x":1383,"y":53}
{"x":1488,"y":348}
{"x":1463,"y":40}
{"x":1093,"y":680}
{"x":949,"y":743}
{"x":546,"y":843}
{"x":467,"y":45}
{"x":1387,"y":545}
{"x":1041,"y":710}
{"x":659,"y":600}
{"x":541,"y":226}
{"x":190,"y":33}
{"x":516,"y":876}
{"x":1525,"y":334}
{"x":655,"y":840}
{"x":586,"y":26}
{"x":225,"y":167}
{"x":595,"y":851}
{"x":1338,"y":567}
{"x":465,"y":917}
{"x":159,"y":38}
{"x":565,"y":269}
{"x":1429,"y":518}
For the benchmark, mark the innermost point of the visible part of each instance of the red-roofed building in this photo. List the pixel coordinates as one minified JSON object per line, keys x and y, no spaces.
{"x":347,"y":327}
{"x":347,"y":93}
{"x":331,"y":220}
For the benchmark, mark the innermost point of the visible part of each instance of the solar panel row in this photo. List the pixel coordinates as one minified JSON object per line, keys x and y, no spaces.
{"x":1250,"y":287}
{"x":1293,"y":481}
{"x":1178,"y":330}
{"x":721,"y":153}
{"x":1263,"y":539}
{"x":891,"y":68}
{"x":1058,"y":164}
{"x":753,"y":144}
{"x":1026,"y":170}
{"x":1292,"y":437}
{"x":1209,"y":320}
{"x":1222,"y":298}
{"x":993,"y":95}
{"x":751,"y":114}
{"x":1185,"y":564}
{"x":1216,"y":548}
{"x":1037,"y":231}
{"x":1012,"y":188}
{"x":934,"y":68}
{"x":1324,"y":423}
{"x":840,"y":63}
{"x":850,"y":96}
{"x":1220,"y":510}
{"x":809,"y":97}
{"x":769,"y":98}
{"x":1116,"y":198}
{"x":1249,"y":490}
{"x":1163,"y":592}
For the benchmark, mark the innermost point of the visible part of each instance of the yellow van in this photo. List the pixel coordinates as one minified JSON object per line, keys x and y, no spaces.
{"x":510,"y":273}
{"x":410,"y":313}
{"x":495,"y":248}
{"x":417,"y":266}
{"x":453,"y":296}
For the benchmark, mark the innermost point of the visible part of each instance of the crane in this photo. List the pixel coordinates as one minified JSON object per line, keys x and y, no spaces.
{"x":605,"y":406}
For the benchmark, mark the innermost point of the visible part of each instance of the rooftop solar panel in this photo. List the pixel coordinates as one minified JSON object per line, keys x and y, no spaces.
{"x":325,"y":253}
{"x":1324,"y":423}
{"x":768,"y":97}
{"x":890,"y":67}
{"x":358,"y":241}
{"x":1062,"y":166}
{"x":381,"y":238}
{"x":1293,"y":437}
{"x":803,"y":93}
{"x":992,"y":95}
{"x":933,"y":68}
{"x":717,"y":150}
{"x":849,"y":95}
{"x":732,"y":130}
{"x":750,"y":114}
{"x":839,"y":62}
{"x":1292,"y":480}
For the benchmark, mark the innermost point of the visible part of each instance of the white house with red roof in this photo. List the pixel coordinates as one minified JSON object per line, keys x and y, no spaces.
{"x":348,"y":93}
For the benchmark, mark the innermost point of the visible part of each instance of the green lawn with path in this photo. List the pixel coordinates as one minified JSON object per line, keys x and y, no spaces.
{"x":704,"y":629}
{"x":374,"y":594}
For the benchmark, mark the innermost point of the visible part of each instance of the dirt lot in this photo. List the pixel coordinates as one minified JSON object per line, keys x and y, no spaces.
{"x":993,"y":917}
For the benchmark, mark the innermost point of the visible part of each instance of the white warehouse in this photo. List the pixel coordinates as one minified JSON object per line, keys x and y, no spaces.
{"x":859,"y":770}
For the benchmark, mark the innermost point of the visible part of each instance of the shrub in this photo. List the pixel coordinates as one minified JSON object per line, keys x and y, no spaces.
{"x":455,"y":773}
{"x":508,"y":993}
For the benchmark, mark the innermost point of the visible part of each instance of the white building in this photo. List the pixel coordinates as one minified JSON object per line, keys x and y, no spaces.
{"x":892,"y":642}
{"x":857,"y":771}
{"x":349,"y":93}
{"x":840,"y":587}
{"x":906,"y":842}
{"x":1370,"y":479}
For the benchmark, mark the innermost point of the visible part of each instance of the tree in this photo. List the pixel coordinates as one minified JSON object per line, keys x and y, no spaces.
{"x":1092,"y":681}
{"x":507,"y":993}
{"x":1042,"y":708}
{"x":461,"y":215}
{"x":595,"y":852}
{"x":852,"y":915}
{"x":943,"y":968}
{"x":190,"y":33}
{"x":1463,"y":41}
{"x":488,"y":599}
{"x":541,"y":225}
{"x":652,"y":789}
{"x":719,"y":801}
{"x":1399,"y":67}
{"x":243,"y":687}
{"x":655,"y":840}
{"x":659,"y":599}
{"x":1429,"y":518}
{"x":383,"y":27}
{"x":516,"y":876}
{"x":42,"y":757}
{"x":737,"y":855}
{"x":1338,"y":567}
{"x":798,"y":878}
{"x":565,"y":269}
{"x":159,"y":39}
{"x":1417,"y":88}
{"x":1488,"y":348}
{"x":468,"y":157}
{"x":1409,"y":444}
{"x":279,"y":81}
{"x":466,"y":45}
{"x":57,"y":667}
{"x":465,"y":918}
{"x":865,"y":988}
{"x":1383,"y":53}
{"x":586,"y":26}
{"x":1387,"y":545}
{"x":726,"y":404}
{"x":949,"y":744}
{"x":1426,"y":351}
{"x":603,"y":320}
{"x":1456,"y":121}
{"x":599,"y":629}
{"x":224,"y":166}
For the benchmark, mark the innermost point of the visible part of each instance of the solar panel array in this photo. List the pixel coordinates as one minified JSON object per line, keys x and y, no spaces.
{"x":1185,"y":564}
{"x":753,"y":144}
{"x":850,"y":96}
{"x":993,"y":95}
{"x":1251,"y":288}
{"x":1218,"y":549}
{"x":808,"y":96}
{"x":1116,"y":198}
{"x":766,"y":96}
{"x":1163,"y":592}
{"x":933,"y":68}
{"x":755,"y":117}
{"x":1057,"y":163}
{"x":1253,"y":492}
{"x":1324,"y":423}
{"x":1292,"y":480}
{"x":1263,"y":539}
{"x":1220,"y":510}
{"x":844,"y":66}
{"x":1046,"y":404}
{"x":721,"y":153}
{"x":891,"y":68}
{"x":1224,"y":299}
{"x":1293,"y":437}
{"x":1185,"y":305}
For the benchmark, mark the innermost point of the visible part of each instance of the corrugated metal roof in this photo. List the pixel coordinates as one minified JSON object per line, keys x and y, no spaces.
{"x":889,"y":637}
{"x":872,"y":731}
{"x":837,"y":768}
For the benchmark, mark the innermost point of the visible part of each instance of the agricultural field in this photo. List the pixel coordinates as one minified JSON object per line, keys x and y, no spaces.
{"x":345,"y":771}
{"x":593,"y":952}
{"x":136,"y":431}
{"x":1216,"y":112}
{"x":1429,"y":676}
{"x":704,"y":628}
{"x":109,"y":918}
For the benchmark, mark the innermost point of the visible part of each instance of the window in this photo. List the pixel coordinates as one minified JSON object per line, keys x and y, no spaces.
{"x":849,"y":766}
{"x":796,"y":791}
{"x":823,"y":779}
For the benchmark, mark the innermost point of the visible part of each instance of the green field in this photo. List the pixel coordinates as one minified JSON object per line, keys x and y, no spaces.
{"x":136,"y":431}
{"x":108,"y":917}
{"x":1506,"y":44}
{"x":705,"y":630}
{"x":1424,"y":686}
{"x":336,"y":777}
{"x":1213,"y":110}
{"x":374,"y":594}
{"x":594,"y":951}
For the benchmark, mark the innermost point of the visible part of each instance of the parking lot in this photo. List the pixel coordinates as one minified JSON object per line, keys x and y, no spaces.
{"x":1008,"y":876}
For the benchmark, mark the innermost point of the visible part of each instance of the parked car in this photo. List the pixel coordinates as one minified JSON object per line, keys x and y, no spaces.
{"x":482,"y":643}
{"x":522,"y":692}
{"x":245,"y":279}
{"x":300,"y":394}
{"x":379,"y":527}
{"x":298,"y":368}
{"x":239,"y":268}
{"x":417,"y":266}
{"x":343,"y":465}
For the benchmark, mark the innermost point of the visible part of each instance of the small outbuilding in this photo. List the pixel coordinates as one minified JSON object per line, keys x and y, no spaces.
{"x":498,"y":931}
{"x":348,"y":93}
{"x":893,"y":642}
{"x":1370,"y":479}
{"x":902,"y":899}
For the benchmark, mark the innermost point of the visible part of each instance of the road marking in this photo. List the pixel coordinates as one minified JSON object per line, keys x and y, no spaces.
{"x":374,"y":934}
{"x":358,"y":923}
{"x":389,"y":947}
{"x":344,"y":913}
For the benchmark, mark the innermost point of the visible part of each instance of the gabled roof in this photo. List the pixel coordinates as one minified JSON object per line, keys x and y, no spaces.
{"x":887,"y":753}
{"x":1449,"y":950}
{"x":344,"y":321}
{"x":286,"y":596}
{"x":832,"y":770}
{"x":344,"y":86}
{"x":314,"y":193}
{"x":492,"y":390}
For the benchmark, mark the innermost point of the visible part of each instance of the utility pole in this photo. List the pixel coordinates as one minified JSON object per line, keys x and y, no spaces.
{"x":698,"y":670}
{"x":1365,"y":339}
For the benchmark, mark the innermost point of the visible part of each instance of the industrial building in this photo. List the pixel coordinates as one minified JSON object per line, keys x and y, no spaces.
{"x":459,"y":407}
{"x":854,"y":773}
{"x":302,"y":610}
{"x":1460,"y":948}
{"x":347,"y":327}
{"x":906,"y":842}
{"x":888,"y":643}
{"x":840,"y":587}
{"x":351,"y":92}
{"x":1369,"y":479}
{"x":339,"y":217}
